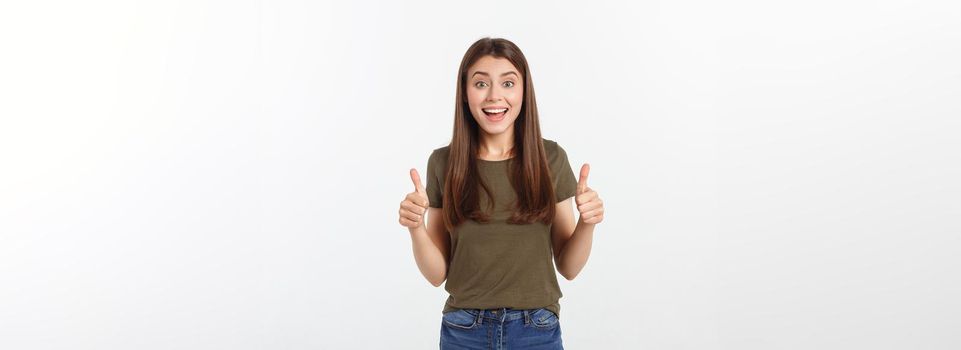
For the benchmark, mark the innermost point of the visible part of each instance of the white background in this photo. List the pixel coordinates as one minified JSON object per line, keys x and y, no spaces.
{"x":227,"y":174}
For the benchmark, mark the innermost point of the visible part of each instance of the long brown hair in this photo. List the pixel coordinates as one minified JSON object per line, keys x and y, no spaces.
{"x":529,"y":172}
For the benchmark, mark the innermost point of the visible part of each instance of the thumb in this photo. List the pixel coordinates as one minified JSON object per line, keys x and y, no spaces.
{"x":582,"y":181}
{"x":415,"y":177}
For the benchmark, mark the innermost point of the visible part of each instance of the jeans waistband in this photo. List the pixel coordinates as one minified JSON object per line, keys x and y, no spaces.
{"x":503,"y":314}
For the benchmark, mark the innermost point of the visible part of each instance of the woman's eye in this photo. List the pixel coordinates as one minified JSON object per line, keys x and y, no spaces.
{"x":480,"y":84}
{"x":508,"y":83}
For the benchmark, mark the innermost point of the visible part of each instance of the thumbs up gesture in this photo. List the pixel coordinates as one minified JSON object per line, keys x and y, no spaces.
{"x":589,"y":204}
{"x":413,"y":207}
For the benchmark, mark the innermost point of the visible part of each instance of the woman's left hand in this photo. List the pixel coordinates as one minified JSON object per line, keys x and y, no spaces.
{"x":589,"y":204}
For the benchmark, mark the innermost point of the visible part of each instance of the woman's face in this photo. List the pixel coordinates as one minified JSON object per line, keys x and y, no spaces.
{"x":495,"y":92}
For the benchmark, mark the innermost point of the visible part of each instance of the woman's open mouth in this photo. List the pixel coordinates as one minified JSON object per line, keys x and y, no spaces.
{"x":495,"y":114}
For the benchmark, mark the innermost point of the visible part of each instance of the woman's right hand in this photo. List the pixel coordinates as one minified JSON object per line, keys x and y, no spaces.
{"x":414,"y":206}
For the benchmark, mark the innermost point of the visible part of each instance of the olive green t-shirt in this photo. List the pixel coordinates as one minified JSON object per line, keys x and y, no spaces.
{"x":497,"y":264}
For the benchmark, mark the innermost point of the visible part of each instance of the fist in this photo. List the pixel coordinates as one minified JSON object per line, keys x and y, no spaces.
{"x":414,"y":206}
{"x":589,"y":204}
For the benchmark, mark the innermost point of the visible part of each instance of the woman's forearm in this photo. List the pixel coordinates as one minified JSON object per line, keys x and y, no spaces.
{"x":430,"y":260}
{"x":574,"y":255}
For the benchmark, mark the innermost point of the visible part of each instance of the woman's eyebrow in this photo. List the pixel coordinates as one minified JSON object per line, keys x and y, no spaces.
{"x":485,"y":73}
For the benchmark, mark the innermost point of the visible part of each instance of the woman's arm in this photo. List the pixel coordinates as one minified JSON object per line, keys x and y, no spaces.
{"x":431,"y":244}
{"x":572,"y":244}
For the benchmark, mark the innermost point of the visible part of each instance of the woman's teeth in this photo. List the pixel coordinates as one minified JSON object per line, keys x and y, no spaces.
{"x":495,"y":114}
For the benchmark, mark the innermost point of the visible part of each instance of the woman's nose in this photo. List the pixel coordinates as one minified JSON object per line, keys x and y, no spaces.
{"x":493,"y":95}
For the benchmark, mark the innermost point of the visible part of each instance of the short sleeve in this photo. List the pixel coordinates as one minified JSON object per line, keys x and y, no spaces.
{"x":565,"y":185}
{"x":435,"y":172}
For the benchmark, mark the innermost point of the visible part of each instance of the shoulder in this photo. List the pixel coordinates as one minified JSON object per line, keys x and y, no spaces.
{"x":548,"y":143}
{"x":553,"y":150}
{"x":441,"y":151}
{"x":440,"y":154}
{"x":438,"y":159}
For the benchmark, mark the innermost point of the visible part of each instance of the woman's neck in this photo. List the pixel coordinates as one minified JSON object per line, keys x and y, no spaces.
{"x":496,"y":147}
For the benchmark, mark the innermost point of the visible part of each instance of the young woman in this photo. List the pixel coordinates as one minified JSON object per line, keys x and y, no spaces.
{"x":500,"y":201}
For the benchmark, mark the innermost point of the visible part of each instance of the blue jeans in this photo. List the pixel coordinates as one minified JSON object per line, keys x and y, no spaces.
{"x":500,"y":329}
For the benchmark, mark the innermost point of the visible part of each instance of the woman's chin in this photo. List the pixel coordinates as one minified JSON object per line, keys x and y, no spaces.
{"x":495,"y":130}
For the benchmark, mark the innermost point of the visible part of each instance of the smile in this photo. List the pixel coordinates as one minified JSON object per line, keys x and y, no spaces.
{"x":495,"y":114}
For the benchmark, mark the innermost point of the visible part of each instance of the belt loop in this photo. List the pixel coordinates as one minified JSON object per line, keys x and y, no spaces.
{"x":527,"y":317}
{"x":480,"y":316}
